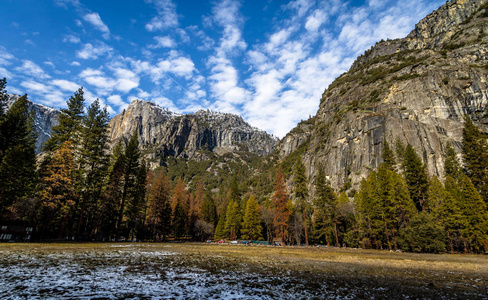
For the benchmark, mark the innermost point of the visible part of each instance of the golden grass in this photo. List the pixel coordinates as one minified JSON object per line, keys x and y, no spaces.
{"x":457,"y":272}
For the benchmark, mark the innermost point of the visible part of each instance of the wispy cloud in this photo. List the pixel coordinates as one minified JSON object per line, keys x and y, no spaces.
{"x":29,"y":68}
{"x":94,"y":19}
{"x":166,"y":18}
{"x":90,"y":51}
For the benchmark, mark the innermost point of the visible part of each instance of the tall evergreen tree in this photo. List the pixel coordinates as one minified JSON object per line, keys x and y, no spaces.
{"x":301,"y":194}
{"x":474,"y":210}
{"x":70,"y":123}
{"x":452,"y":167}
{"x":208,"y":212}
{"x":159,"y":213}
{"x":220,"y":231}
{"x":17,"y":155}
{"x":92,"y":164}
{"x":109,"y":203}
{"x":445,"y":208}
{"x":252,"y":229}
{"x":415,"y":176}
{"x":131,"y":167}
{"x":475,"y":157}
{"x":388,"y":156}
{"x":281,"y":208}
{"x":233,"y":220}
{"x":57,"y":194}
{"x":325,"y":210}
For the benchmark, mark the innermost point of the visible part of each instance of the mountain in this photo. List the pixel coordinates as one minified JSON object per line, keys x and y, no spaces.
{"x":415,"y":90}
{"x":163,"y":133}
{"x":45,"y":119}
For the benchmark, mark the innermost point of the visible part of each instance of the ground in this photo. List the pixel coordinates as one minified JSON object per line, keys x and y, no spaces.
{"x":213,"y":271}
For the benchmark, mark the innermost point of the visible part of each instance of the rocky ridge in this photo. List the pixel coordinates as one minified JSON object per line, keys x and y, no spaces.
{"x":415,"y":90}
{"x":163,"y":133}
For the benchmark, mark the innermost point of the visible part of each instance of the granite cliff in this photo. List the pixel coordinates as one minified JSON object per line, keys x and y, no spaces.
{"x":163,"y":133}
{"x":415,"y":90}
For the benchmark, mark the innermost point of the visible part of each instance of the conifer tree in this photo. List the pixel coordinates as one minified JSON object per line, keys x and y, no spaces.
{"x":220,"y":231}
{"x":136,"y":205}
{"x":474,"y":210}
{"x":109,"y":203}
{"x":208,"y":212}
{"x":17,"y":155}
{"x":179,"y":219}
{"x":57,"y":193}
{"x":445,"y":208}
{"x":301,"y":194}
{"x":452,"y":167}
{"x":281,"y":208}
{"x":92,"y":164}
{"x":475,"y":157}
{"x":233,"y":220}
{"x":70,"y":123}
{"x":415,"y":176}
{"x":131,"y":167}
{"x":325,"y":209}
{"x":252,"y":229}
{"x":159,"y":211}
{"x":388,"y":156}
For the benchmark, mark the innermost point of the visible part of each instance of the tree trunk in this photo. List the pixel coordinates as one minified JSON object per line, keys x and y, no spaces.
{"x":305,"y":226}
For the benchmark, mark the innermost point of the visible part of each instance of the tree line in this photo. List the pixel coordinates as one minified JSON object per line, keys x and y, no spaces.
{"x":80,"y":189}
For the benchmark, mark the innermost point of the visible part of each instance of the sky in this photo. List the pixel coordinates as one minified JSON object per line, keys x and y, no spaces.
{"x":266,"y":60}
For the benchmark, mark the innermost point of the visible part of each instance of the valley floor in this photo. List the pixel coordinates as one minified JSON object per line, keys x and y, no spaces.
{"x":213,"y":271}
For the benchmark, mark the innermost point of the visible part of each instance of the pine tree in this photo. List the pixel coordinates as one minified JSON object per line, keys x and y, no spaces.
{"x":220,"y":232}
{"x":415,"y":176}
{"x":18,"y":174}
{"x":70,"y":123}
{"x":92,"y":164}
{"x":452,"y":167}
{"x":179,"y":219}
{"x":388,"y":156}
{"x":325,"y":209}
{"x":57,"y":193}
{"x":136,"y":205}
{"x":109,"y":203}
{"x":159,"y":211}
{"x":445,"y":208}
{"x":475,"y":157}
{"x":474,"y":210}
{"x":252,"y":229}
{"x":281,"y":209}
{"x":233,"y":220}
{"x":208,"y":212}
{"x":131,"y":167}
{"x":301,"y":194}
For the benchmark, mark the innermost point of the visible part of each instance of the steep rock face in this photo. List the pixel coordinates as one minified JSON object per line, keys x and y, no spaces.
{"x":163,"y":133}
{"x":415,"y":90}
{"x":45,"y":119}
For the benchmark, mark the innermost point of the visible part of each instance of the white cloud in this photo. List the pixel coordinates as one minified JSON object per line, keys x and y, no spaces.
{"x":31,"y":69}
{"x":66,"y":85}
{"x":90,"y":51}
{"x":166,"y":18}
{"x":49,"y":63}
{"x":123,"y":80}
{"x":5,"y":74}
{"x":75,"y":63}
{"x":163,"y":42}
{"x":315,"y":20}
{"x":5,"y":57}
{"x":71,"y":39}
{"x":116,"y":100}
{"x":96,"y":21}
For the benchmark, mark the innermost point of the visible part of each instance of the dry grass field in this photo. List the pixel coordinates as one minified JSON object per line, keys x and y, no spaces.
{"x":223,"y":271}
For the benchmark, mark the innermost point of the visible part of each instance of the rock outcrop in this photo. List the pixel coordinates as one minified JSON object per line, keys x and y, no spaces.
{"x":45,"y":119}
{"x":415,"y":90}
{"x":163,"y":133}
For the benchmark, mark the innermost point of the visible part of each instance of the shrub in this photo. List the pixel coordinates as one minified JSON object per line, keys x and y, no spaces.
{"x":423,"y":234}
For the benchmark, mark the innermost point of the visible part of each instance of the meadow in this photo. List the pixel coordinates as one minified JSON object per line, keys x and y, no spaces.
{"x":224,"y":271}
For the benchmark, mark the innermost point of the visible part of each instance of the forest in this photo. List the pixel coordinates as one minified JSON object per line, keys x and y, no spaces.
{"x":82,"y":189}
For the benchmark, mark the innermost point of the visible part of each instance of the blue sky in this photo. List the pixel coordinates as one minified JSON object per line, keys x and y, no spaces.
{"x":267,"y":60}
